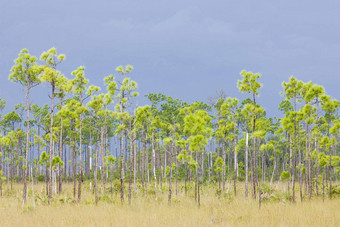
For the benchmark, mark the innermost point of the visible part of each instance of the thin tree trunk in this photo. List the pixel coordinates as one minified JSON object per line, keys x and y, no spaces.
{"x":51,"y":146}
{"x":61,"y":154}
{"x":235,"y":163}
{"x":122,"y":167}
{"x":102,"y":170}
{"x":154,"y":163}
{"x":170,"y":176}
{"x":96,"y":172}
{"x":246,"y":170}
{"x":27,"y":142}
{"x":134,"y":161}
{"x":223,"y":167}
{"x":80,"y":158}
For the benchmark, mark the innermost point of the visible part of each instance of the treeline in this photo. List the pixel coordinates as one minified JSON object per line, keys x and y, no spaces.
{"x":88,"y":134}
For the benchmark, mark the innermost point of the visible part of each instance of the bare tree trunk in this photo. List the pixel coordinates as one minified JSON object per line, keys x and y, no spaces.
{"x":254,"y":170}
{"x":259,"y":182}
{"x":235,"y":163}
{"x":330,"y":173}
{"x":134,"y":161}
{"x":122,"y":167}
{"x":300,"y":172}
{"x":196,"y":180}
{"x":223,"y":167}
{"x":27,"y":142}
{"x":246,"y":169}
{"x":154,"y":163}
{"x":317,"y":151}
{"x":96,"y":172}
{"x":80,"y":158}
{"x":74,"y":159}
{"x":1,"y":170}
{"x":170,"y":176}
{"x":102,"y":170}
{"x":271,"y":180}
{"x":51,"y":146}
{"x":309,"y":165}
{"x":132,"y":147}
{"x":61,"y":155}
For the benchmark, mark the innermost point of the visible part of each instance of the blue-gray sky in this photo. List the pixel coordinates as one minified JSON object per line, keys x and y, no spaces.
{"x":186,"y":49}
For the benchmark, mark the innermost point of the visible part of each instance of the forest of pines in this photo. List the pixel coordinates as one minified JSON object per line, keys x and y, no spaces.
{"x":100,"y":141}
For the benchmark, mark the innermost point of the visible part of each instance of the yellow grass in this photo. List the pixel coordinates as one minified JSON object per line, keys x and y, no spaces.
{"x":146,"y":211}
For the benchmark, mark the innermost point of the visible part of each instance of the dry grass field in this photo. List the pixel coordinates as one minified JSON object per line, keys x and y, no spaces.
{"x":223,"y":210}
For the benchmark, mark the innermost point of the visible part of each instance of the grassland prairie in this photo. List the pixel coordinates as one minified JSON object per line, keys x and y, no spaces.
{"x":216,"y":209}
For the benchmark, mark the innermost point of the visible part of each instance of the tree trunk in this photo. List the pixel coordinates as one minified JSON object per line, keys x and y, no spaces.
{"x":134,"y":161}
{"x":122,"y":167}
{"x":223,"y":167}
{"x":154,"y":163}
{"x":51,"y":146}
{"x":61,"y":155}
{"x":246,"y":169}
{"x":96,"y":172}
{"x":80,"y":158}
{"x":235,"y":163}
{"x":254,"y":170}
{"x":170,"y":175}
{"x":27,"y":142}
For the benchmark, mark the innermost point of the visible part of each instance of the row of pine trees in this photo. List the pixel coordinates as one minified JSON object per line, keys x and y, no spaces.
{"x":85,"y":134}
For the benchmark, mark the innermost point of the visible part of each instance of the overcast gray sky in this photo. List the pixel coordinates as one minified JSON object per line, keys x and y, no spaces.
{"x":186,"y":49}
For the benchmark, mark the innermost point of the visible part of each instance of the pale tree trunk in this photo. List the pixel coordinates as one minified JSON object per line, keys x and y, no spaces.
{"x":309,"y":165}
{"x":300,"y":174}
{"x":122,"y":167}
{"x":254,"y":153}
{"x":196,"y":180}
{"x":170,"y":176}
{"x":1,"y":170}
{"x":330,"y":173}
{"x":89,"y":158}
{"x":198,"y":184}
{"x":165,"y":164}
{"x":254,"y":170}
{"x":61,"y":155}
{"x":27,"y":142}
{"x":223,"y":167}
{"x":103,"y":151}
{"x":51,"y":146}
{"x":306,"y":160}
{"x":134,"y":161}
{"x":274,"y":170}
{"x":146,"y":166}
{"x":130,"y":168}
{"x":32,"y":189}
{"x":235,"y":163}
{"x":80,"y":158}
{"x":294,"y":152}
{"x":259,"y":182}
{"x":154,"y":163}
{"x":96,"y":172}
{"x":246,"y":167}
{"x":102,"y":170}
{"x":74,"y":155}
{"x":317,"y":152}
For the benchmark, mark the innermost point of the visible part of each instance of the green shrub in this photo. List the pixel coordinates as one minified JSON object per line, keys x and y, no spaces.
{"x":41,"y":178}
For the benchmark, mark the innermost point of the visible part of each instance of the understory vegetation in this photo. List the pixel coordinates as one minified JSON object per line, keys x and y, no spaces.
{"x":217,"y":209}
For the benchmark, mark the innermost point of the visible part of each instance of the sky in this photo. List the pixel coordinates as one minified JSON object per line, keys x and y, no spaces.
{"x":185,"y":49}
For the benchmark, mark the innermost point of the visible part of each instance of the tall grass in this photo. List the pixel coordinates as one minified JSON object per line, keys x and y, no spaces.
{"x":217,"y":209}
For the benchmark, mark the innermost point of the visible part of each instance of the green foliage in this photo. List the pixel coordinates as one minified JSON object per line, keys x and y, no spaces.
{"x":26,"y":70}
{"x":249,"y":83}
{"x":218,"y":165}
{"x":284,"y":175}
